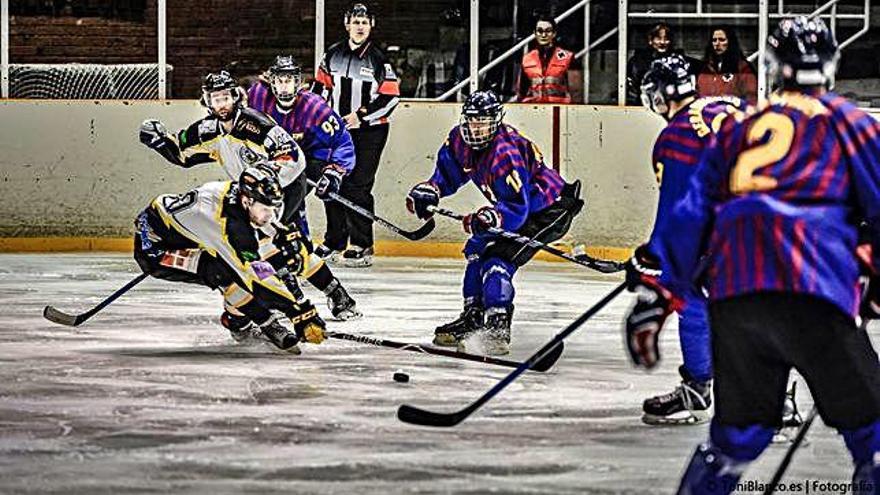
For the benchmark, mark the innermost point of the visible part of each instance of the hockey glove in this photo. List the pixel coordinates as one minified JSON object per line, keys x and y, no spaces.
{"x":481,"y":220}
{"x":421,"y":197}
{"x":290,"y":250}
{"x":643,"y":265}
{"x":153,"y":134}
{"x":330,"y":181}
{"x":307,"y":324}
{"x":645,"y":320}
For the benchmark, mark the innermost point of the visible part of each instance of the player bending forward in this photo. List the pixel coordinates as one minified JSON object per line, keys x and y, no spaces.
{"x":236,"y":137}
{"x":775,"y":202}
{"x":208,"y":236}
{"x":527,"y":197}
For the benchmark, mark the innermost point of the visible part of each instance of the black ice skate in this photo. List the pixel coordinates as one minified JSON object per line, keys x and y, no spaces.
{"x":688,"y":404}
{"x":494,"y":338}
{"x":341,"y":305}
{"x":358,"y":257}
{"x":241,"y":328}
{"x":470,"y":320}
{"x":330,"y":256}
{"x":283,"y":338}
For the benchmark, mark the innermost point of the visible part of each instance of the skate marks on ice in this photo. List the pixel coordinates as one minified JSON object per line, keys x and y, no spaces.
{"x":152,"y":395}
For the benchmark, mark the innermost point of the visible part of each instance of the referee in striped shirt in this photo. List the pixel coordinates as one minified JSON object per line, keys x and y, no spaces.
{"x":358,"y":81}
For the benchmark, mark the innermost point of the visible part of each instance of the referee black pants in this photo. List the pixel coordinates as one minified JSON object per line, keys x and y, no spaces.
{"x":343,"y":224}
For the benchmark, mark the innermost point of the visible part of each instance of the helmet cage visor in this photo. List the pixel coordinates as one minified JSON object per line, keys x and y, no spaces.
{"x":477,"y":131}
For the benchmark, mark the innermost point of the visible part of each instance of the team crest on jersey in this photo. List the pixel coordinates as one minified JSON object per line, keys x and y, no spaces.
{"x":247,"y":155}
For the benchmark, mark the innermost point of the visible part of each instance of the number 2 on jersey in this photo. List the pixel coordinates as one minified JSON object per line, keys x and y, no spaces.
{"x":781,"y":129}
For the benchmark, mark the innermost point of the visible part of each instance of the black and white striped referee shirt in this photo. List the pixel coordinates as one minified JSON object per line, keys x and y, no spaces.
{"x":360,"y":80}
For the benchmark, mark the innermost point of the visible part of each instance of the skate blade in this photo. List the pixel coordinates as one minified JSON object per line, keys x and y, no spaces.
{"x":477,"y":345}
{"x":682,"y":418}
{"x":348,"y":315}
{"x":359,"y":263}
{"x":445,"y":340}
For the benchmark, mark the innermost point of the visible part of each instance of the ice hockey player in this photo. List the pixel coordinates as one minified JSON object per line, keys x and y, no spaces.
{"x":668,"y":89}
{"x":209,"y":236}
{"x":236,"y":137}
{"x":776,"y":202}
{"x":527,"y":197}
{"x":329,"y":153}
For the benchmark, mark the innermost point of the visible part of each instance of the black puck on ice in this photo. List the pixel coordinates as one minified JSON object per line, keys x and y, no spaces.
{"x":400,"y":377}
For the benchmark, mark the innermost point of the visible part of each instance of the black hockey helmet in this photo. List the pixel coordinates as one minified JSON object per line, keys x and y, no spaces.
{"x":359,"y":10}
{"x":668,"y":79}
{"x":220,"y":81}
{"x":481,"y":117}
{"x":261,"y":185}
{"x":285,"y":78}
{"x":802,"y":52}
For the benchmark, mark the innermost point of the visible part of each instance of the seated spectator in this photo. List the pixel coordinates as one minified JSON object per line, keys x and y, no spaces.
{"x":725,"y":70}
{"x":544,"y":74}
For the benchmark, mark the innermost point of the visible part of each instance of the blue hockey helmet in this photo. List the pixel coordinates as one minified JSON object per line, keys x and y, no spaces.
{"x":481,"y":117}
{"x":285,"y":78}
{"x":668,"y":79}
{"x":802,"y":52}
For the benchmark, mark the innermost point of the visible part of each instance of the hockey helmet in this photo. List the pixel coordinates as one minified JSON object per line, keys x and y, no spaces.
{"x":285,"y":78}
{"x":220,"y":81}
{"x":668,"y":79}
{"x":359,"y":10}
{"x":481,"y":117}
{"x":261,"y":185}
{"x":802,"y":52}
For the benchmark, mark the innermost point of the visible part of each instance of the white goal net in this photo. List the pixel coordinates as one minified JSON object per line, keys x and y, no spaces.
{"x":85,"y":81}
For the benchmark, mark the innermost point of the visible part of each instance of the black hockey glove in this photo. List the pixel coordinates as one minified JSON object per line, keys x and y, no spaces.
{"x":481,"y":220}
{"x":643,"y":265}
{"x":330,"y":181}
{"x":290,"y":251}
{"x":307,"y":324}
{"x":645,"y":320}
{"x":153,"y":134}
{"x":420,"y":198}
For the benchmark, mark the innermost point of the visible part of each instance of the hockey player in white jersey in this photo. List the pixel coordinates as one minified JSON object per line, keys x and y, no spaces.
{"x":236,"y":137}
{"x":208,"y":236}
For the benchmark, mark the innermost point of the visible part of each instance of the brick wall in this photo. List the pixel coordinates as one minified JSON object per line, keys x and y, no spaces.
{"x":206,"y":35}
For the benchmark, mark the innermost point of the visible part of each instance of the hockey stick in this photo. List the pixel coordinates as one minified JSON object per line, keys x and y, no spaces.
{"x":541,"y":365}
{"x":780,"y":471}
{"x":54,"y":315}
{"x":413,"y":235}
{"x":417,"y":416}
{"x":604,"y":266}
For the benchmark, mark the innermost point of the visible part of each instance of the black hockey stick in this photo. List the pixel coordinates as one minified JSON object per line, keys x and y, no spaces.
{"x":798,"y":439}
{"x":417,"y":416}
{"x":541,"y":365}
{"x":52,"y":314}
{"x":413,"y":235}
{"x":604,"y":266}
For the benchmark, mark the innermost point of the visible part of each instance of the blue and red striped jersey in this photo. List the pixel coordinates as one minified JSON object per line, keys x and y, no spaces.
{"x":317,"y":129}
{"x":776,"y":202}
{"x":679,"y":146}
{"x":510,"y":172}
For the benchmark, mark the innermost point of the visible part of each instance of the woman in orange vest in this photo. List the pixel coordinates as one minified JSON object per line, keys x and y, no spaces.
{"x":544,"y":74}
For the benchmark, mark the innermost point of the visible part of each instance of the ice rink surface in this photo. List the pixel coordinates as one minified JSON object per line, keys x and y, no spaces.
{"x":153,"y":396}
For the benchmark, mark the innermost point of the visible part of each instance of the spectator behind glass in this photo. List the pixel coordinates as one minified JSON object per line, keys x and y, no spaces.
{"x":725,"y":70}
{"x":544,"y":74}
{"x":659,"y":45}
